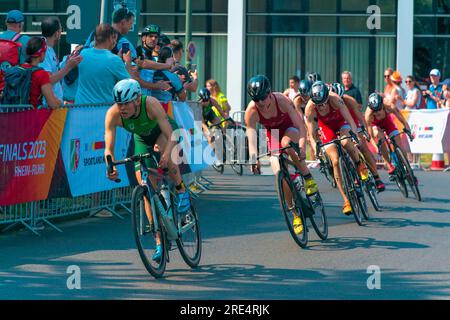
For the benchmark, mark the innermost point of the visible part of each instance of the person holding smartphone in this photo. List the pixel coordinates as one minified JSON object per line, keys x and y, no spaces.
{"x":188,"y":77}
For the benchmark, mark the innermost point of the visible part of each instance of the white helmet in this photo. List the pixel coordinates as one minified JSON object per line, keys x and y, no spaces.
{"x":126,"y":90}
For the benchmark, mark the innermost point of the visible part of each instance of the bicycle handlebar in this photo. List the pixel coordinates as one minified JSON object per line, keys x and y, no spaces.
{"x":220,"y":123}
{"x":134,"y":158}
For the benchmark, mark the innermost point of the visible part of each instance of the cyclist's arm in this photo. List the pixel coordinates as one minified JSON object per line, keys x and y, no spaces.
{"x":369,"y":119}
{"x":352,"y":103}
{"x":399,"y":116}
{"x":298,"y":101}
{"x":110,"y":133}
{"x":337,"y":103}
{"x":286,"y":105}
{"x":310,"y":115}
{"x":251,"y":118}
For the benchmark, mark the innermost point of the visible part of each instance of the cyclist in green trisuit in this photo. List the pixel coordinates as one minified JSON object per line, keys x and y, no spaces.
{"x":146,"y":119}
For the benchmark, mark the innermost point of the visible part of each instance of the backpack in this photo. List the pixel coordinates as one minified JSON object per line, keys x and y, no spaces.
{"x":18,"y":85}
{"x":9,"y":56}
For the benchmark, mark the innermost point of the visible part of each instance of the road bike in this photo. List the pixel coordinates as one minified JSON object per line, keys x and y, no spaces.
{"x":403,"y":173}
{"x":351,"y":181}
{"x":326,"y":168}
{"x":370,"y":186}
{"x":230,"y":145}
{"x":163,"y":221}
{"x":293,"y":199}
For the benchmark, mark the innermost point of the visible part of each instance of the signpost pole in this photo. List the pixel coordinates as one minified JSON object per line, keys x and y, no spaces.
{"x":188,"y":37}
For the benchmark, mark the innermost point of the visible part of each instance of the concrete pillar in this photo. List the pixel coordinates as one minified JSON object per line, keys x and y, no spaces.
{"x":236,"y":55}
{"x":405,"y":37}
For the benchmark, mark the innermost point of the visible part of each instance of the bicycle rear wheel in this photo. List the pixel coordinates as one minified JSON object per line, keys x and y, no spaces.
{"x":291,"y":206}
{"x":400,"y":176}
{"x":318,"y":218}
{"x":350,"y":190}
{"x":145,"y":233}
{"x":190,"y":241}
{"x":410,"y":177}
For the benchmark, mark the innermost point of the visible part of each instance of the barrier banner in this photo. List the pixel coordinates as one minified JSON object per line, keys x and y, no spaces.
{"x":428,"y":127}
{"x":83,"y":147}
{"x":29,"y":147}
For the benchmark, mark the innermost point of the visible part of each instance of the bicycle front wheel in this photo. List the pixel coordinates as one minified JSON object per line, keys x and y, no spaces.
{"x":351,"y":190}
{"x":318,"y":218}
{"x":410,"y":177}
{"x":146,"y":233}
{"x":290,"y":203}
{"x":190,"y":241}
{"x":370,"y":188}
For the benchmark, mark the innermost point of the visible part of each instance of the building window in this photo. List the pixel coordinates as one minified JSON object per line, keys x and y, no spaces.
{"x":431,"y":37}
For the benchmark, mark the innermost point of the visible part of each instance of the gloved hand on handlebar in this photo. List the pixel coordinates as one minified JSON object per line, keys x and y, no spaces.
{"x":365,"y":133}
{"x":354,"y":137}
{"x":409,"y":134}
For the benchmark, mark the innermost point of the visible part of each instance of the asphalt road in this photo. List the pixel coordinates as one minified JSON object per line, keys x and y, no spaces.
{"x":247,"y":251}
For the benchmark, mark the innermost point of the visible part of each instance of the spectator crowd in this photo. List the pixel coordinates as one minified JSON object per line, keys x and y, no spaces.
{"x":32,"y":74}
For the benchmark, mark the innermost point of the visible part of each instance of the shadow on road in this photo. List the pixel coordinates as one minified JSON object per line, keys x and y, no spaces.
{"x":235,"y":281}
{"x":350,"y":243}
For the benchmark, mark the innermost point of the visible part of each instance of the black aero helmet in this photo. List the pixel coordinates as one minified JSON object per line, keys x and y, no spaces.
{"x":375,"y":102}
{"x":319,"y":92}
{"x":304,"y":88}
{"x":258,"y":87}
{"x":313,"y":77}
{"x":204,"y":94}
{"x":151,"y":28}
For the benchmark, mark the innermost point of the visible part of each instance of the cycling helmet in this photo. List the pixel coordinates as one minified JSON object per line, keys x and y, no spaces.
{"x":151,"y":28}
{"x":126,"y":90}
{"x":319,"y":92}
{"x":375,"y":102}
{"x":204,"y":94}
{"x":313,"y":77}
{"x":338,"y":89}
{"x":304,"y":88}
{"x":258,"y":87}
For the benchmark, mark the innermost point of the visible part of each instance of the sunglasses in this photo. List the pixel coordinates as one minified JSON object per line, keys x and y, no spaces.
{"x":408,"y":81}
{"x":386,"y":76}
{"x":261,"y":99}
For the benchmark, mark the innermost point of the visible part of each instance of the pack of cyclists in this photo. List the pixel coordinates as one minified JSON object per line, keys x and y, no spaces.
{"x":318,"y":113}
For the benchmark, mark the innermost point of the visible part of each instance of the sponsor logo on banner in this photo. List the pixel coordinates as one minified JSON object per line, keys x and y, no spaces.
{"x":428,"y":127}
{"x":74,"y":154}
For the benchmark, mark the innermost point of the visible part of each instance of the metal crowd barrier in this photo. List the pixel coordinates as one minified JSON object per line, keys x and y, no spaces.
{"x":32,"y":213}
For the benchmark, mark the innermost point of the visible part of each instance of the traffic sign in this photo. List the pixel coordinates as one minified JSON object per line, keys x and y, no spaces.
{"x":191,"y":50}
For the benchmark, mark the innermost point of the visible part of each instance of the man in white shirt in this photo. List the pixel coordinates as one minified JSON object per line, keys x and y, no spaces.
{"x":51,"y":30}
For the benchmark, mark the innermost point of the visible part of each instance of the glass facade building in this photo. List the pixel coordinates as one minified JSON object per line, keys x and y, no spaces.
{"x":281,"y":38}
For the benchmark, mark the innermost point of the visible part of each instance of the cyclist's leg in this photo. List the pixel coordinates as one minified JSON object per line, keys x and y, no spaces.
{"x":292,"y":134}
{"x":349,"y":145}
{"x":352,"y":150}
{"x":333,"y":155}
{"x":175,"y":174}
{"x":139,"y":148}
{"x":370,"y":159}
